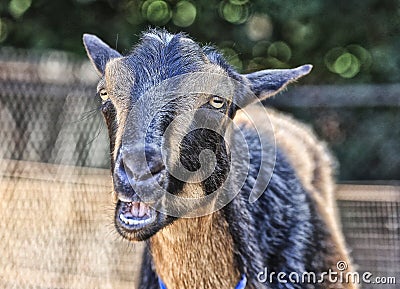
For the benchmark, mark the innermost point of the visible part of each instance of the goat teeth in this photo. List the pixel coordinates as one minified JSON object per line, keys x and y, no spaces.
{"x":133,"y":222}
{"x":135,"y":209}
{"x":142,"y":209}
{"x":124,"y":219}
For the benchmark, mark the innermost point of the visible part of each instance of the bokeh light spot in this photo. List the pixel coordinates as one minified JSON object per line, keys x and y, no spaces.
{"x":259,"y":27}
{"x":353,"y":69}
{"x":300,"y":34}
{"x":362,"y":54}
{"x":342,"y":63}
{"x":280,"y":50}
{"x":236,"y":14}
{"x":184,"y":14}
{"x":238,"y":2}
{"x":18,"y":7}
{"x":3,"y":30}
{"x":133,"y":14}
{"x":157,"y":12}
{"x":332,"y":56}
{"x":261,"y":48}
{"x":232,"y":57}
{"x":347,"y":62}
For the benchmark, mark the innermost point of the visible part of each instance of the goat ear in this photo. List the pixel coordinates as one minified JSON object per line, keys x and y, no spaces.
{"x":98,"y":52}
{"x":266,"y":83}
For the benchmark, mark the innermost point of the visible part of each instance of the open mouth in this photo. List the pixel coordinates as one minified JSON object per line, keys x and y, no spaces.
{"x":134,"y":215}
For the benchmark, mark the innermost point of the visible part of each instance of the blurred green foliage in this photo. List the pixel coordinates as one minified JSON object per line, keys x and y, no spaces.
{"x":347,"y":41}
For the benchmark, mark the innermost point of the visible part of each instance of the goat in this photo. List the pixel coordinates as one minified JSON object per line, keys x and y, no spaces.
{"x":153,"y":101}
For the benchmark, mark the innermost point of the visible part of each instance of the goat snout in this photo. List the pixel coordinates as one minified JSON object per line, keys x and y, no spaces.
{"x":138,"y":172}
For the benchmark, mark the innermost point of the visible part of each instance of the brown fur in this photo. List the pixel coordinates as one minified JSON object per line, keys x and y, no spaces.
{"x":115,"y":71}
{"x":195,"y":253}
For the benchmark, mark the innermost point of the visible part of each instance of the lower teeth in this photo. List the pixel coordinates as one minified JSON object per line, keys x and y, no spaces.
{"x":130,"y":221}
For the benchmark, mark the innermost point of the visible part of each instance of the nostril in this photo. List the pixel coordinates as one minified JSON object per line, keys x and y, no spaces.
{"x":129,"y":168}
{"x":155,"y":167}
{"x":154,"y":160}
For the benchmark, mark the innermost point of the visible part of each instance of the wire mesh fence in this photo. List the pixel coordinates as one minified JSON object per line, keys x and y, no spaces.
{"x":56,"y":230}
{"x":370,"y":216}
{"x":56,"y":226}
{"x":48,"y":110}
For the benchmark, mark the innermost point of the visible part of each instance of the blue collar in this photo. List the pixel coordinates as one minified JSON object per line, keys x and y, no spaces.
{"x":240,"y":285}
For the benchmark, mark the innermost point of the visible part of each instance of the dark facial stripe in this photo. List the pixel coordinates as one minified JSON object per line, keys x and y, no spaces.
{"x":109,"y":114}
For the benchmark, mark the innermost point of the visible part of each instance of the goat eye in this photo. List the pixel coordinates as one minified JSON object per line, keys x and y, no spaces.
{"x":217,"y":101}
{"x":103,"y":95}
